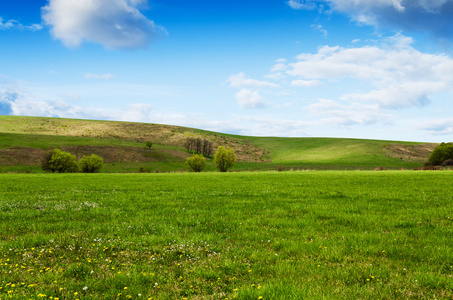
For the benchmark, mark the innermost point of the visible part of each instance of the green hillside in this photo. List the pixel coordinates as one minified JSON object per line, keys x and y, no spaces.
{"x":25,"y":140}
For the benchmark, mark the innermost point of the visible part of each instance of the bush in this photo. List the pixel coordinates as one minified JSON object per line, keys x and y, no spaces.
{"x":441,"y":153}
{"x":196,"y":163}
{"x":281,"y":168}
{"x":59,"y":161}
{"x":45,"y":164}
{"x":149,"y":144}
{"x":91,"y":164}
{"x":224,"y":158}
{"x":448,"y":163}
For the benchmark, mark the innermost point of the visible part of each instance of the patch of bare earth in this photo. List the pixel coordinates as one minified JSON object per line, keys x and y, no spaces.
{"x":415,"y":153}
{"x":110,"y":154}
{"x":21,"y":155}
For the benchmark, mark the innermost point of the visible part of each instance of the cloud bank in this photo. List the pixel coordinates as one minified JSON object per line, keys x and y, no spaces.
{"x":115,"y":24}
{"x":13,"y":101}
{"x":401,"y":75}
{"x":432,"y":16}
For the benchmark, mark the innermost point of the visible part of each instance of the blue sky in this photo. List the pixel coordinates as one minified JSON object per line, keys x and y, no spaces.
{"x":379,"y":69}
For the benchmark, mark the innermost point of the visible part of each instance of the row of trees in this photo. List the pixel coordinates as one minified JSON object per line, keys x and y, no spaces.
{"x":62,"y":162}
{"x":199,"y":146}
{"x":224,"y":159}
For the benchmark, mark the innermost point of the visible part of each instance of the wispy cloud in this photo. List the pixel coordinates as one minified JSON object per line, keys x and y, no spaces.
{"x":439,"y":127}
{"x":321,"y":29}
{"x":98,"y":76}
{"x":115,"y":24}
{"x":17,"y":102}
{"x":431,"y":16}
{"x":249,"y":99}
{"x":303,"y":4}
{"x":16,"y":25}
{"x":240,"y":80}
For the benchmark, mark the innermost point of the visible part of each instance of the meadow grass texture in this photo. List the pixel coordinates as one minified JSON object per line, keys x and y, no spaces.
{"x":269,"y":235}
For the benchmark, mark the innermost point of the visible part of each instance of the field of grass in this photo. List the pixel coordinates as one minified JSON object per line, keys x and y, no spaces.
{"x":268,"y":235}
{"x":25,"y":140}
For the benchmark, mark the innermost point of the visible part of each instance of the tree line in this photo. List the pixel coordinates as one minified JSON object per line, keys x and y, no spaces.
{"x":199,"y":146}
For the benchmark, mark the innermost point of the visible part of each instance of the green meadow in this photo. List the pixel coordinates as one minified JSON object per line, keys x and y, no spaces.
{"x":246,"y":235}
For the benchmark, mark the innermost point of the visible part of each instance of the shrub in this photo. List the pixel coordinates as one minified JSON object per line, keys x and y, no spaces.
{"x":281,"y":168}
{"x":45,"y":164}
{"x":196,"y":163}
{"x":91,"y":164}
{"x":224,"y":158}
{"x":149,"y":144}
{"x":441,"y":153}
{"x":448,"y":163}
{"x":59,"y":161}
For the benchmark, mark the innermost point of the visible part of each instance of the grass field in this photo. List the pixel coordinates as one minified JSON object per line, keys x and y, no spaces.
{"x":288,"y":235}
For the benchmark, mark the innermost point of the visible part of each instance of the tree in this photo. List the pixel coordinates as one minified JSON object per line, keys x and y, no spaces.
{"x":224,"y":158}
{"x":59,"y":161}
{"x":149,"y":144}
{"x":198,"y":146}
{"x":196,"y":163}
{"x":441,"y":153}
{"x":45,"y":164}
{"x":91,"y":164}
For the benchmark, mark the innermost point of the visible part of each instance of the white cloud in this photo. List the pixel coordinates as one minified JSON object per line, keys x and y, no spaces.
{"x":14,"y":101}
{"x":98,"y":76}
{"x":306,"y":83}
{"x":433,"y":16}
{"x":16,"y":25}
{"x":115,"y":24}
{"x":439,"y":127}
{"x":303,"y":4}
{"x":249,"y":99}
{"x":321,"y":29}
{"x":401,"y":75}
{"x":279,"y":67}
{"x":240,"y":80}
{"x":338,"y":114}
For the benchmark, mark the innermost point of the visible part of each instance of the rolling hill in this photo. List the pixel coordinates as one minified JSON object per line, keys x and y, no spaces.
{"x":25,"y":140}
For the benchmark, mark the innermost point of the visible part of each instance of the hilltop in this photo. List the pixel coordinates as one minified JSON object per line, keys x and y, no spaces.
{"x":24,"y":141}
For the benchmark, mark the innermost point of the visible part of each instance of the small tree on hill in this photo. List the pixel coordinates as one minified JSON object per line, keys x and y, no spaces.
{"x":196,"y":163}
{"x":60,"y":161}
{"x":149,"y":144}
{"x":224,"y":158}
{"x":91,"y":164}
{"x":441,"y":153}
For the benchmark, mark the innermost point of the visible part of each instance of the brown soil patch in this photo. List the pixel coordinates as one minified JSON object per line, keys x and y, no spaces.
{"x":21,"y":155}
{"x":112,"y":154}
{"x":419,"y":153}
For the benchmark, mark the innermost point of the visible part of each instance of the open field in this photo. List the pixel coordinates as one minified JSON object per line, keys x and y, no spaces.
{"x":25,"y":140}
{"x":288,"y":235}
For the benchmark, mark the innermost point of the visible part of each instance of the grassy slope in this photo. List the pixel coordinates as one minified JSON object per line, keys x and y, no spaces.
{"x":253,"y":152}
{"x":333,"y":152}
